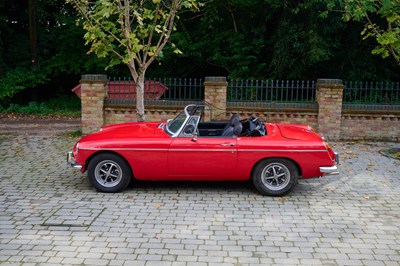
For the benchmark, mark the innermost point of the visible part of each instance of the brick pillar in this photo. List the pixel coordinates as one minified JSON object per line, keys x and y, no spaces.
{"x":93,"y":93}
{"x":215,"y":95}
{"x":329,"y":97}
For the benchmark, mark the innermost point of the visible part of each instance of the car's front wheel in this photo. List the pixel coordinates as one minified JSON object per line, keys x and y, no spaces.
{"x":109,"y":173}
{"x":275,"y":177}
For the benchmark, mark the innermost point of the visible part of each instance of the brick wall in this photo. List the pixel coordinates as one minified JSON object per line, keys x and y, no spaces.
{"x":368,"y":125}
{"x":283,"y":115}
{"x":215,"y":95}
{"x":114,"y":114}
{"x":328,"y":119}
{"x":329,"y":98}
{"x":93,"y":92}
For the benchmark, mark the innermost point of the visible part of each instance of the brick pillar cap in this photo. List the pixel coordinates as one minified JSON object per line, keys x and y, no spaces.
{"x":94,"y":77}
{"x":215,"y":79}
{"x":330,"y":81}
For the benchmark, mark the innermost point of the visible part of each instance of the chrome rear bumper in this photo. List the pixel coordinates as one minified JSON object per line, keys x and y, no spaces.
{"x":329,"y":170}
{"x":71,"y":161}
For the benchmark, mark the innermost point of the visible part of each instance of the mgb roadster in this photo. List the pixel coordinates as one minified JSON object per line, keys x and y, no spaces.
{"x":188,"y":148}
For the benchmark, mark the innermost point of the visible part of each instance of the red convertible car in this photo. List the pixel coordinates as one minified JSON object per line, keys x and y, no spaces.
{"x":274,"y":156}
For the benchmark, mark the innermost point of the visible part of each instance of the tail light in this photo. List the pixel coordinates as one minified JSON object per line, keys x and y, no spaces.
{"x":334,"y":156}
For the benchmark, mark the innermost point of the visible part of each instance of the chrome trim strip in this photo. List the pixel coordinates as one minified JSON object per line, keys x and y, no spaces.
{"x":199,"y":150}
{"x":123,"y":149}
{"x":282,"y":150}
{"x":208,"y":150}
{"x":149,"y":149}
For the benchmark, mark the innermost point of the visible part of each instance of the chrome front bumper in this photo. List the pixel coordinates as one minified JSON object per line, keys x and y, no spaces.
{"x":71,"y":161}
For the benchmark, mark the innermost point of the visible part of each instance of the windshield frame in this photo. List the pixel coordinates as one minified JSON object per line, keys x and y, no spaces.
{"x":182,"y":117}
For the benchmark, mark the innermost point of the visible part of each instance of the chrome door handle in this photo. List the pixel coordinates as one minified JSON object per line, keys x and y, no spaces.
{"x":227,"y":144}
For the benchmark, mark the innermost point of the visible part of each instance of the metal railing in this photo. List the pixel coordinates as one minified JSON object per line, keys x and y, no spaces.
{"x":183,"y":89}
{"x":123,"y":90}
{"x":263,"y":93}
{"x":293,"y":93}
{"x":385,"y":93}
{"x":271,"y":90}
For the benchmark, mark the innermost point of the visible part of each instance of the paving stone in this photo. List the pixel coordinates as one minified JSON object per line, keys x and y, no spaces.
{"x":96,"y":262}
{"x":50,"y":215}
{"x":70,"y":261}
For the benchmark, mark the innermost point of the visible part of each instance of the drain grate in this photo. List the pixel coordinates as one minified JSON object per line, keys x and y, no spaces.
{"x":74,"y":216}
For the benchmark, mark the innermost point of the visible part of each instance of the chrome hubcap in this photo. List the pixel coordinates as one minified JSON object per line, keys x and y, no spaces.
{"x":275,"y":176}
{"x":108,"y":173}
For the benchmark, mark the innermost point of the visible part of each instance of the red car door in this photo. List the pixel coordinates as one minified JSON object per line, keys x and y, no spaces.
{"x":206,"y":158}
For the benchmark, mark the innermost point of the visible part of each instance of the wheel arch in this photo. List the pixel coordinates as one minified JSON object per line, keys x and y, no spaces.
{"x":109,"y":152}
{"x":275,"y":157}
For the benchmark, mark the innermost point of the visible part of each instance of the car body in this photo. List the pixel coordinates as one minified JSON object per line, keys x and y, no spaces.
{"x":187,"y":148}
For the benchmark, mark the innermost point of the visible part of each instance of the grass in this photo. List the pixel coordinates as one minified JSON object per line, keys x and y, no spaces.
{"x":392,"y":153}
{"x":61,"y":106}
{"x":74,"y":134}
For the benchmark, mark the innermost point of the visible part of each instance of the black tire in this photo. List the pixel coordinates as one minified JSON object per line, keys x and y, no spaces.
{"x":275,"y":177}
{"x":109,"y":173}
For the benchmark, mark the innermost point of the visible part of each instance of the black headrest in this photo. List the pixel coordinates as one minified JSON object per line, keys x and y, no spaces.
{"x":237,"y":129}
{"x":234,"y":120}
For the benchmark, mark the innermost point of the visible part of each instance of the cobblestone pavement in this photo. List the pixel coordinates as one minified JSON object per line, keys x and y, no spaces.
{"x":49,"y":214}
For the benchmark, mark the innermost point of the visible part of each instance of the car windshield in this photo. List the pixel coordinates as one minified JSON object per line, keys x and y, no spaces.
{"x":174,"y":126}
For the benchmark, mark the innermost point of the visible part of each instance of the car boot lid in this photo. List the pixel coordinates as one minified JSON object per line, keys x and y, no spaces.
{"x":298,"y":132}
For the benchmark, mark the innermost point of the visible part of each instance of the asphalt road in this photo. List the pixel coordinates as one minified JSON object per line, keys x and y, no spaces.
{"x":50,"y":215}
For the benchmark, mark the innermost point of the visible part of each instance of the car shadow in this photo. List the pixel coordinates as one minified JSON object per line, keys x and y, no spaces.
{"x":213,"y":186}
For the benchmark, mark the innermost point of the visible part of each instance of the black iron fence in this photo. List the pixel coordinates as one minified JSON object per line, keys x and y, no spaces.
{"x":377,"y":93}
{"x":298,"y":91}
{"x":285,"y":93}
{"x":123,"y":90}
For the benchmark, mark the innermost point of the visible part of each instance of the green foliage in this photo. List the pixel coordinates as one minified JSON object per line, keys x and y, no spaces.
{"x":19,"y":79}
{"x":262,"y":39}
{"x":382,"y":22}
{"x":64,"y":105}
{"x":61,"y":52}
{"x":129,"y":32}
{"x":75,"y":134}
{"x":267,"y":39}
{"x":31,"y":108}
{"x":259,"y":38}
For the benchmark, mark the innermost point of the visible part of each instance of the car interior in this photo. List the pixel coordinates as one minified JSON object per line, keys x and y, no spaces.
{"x":247,"y":127}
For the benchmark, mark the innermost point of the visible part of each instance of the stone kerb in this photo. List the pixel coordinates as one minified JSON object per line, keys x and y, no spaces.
{"x":329,"y":97}
{"x":215,"y":89}
{"x":93,"y":93}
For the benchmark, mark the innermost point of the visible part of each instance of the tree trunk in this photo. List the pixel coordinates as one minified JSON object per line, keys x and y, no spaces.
{"x":140,"y":98}
{"x":138,"y":79}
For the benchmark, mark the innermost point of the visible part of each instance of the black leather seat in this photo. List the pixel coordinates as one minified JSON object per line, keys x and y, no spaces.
{"x":233,"y":128}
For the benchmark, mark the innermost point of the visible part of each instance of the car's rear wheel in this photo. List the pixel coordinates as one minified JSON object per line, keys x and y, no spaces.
{"x":109,"y":173}
{"x":275,"y":177}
